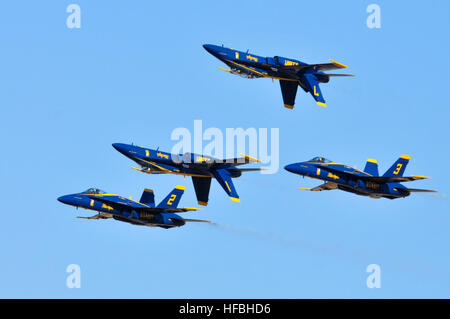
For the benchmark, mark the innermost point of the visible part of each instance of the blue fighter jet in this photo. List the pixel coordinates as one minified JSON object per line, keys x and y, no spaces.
{"x":143,"y":213}
{"x":291,"y":73}
{"x":367,"y":182}
{"x":201,"y":168}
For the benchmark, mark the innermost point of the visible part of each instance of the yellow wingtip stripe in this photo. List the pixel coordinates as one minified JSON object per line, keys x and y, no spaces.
{"x":420,"y":176}
{"x":372,"y":160}
{"x":407,"y":157}
{"x":180,"y":187}
{"x":202,"y":203}
{"x":250,"y":157}
{"x":338,"y":64}
{"x":289,"y":106}
{"x":234,"y":199}
{"x":322,"y":104}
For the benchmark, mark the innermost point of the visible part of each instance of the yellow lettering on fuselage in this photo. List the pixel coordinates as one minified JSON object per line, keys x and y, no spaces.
{"x":331,"y":175}
{"x":203,"y":159}
{"x":289,"y":63}
{"x":252,"y":58}
{"x":107,"y":207}
{"x":159,"y":154}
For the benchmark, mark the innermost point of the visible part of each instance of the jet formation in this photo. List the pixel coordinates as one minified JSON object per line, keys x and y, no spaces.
{"x":291,"y":73}
{"x":201,"y":168}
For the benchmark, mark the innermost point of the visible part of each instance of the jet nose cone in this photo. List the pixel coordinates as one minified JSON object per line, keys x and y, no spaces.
{"x":122,"y":148}
{"x":293,"y":168}
{"x":209,"y":48}
{"x":66,"y":199}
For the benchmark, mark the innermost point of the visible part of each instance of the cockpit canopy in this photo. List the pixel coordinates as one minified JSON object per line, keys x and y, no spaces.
{"x":94,"y":191}
{"x":320,"y":160}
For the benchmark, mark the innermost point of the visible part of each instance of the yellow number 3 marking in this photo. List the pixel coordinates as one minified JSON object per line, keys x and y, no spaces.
{"x":171,"y":199}
{"x":399,"y":167}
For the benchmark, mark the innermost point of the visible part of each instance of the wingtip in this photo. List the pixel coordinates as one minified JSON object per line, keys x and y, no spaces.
{"x":193,"y":208}
{"x":202,"y":203}
{"x":250,"y":157}
{"x":235,"y":199}
{"x":180,"y":187}
{"x":421,"y":176}
{"x":322,"y":104}
{"x":406,"y":157}
{"x":289,"y":106}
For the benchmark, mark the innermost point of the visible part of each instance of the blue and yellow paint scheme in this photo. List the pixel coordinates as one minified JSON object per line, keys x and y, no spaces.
{"x":143,"y":213}
{"x":201,"y":168}
{"x":366,"y":182}
{"x":290,"y":72}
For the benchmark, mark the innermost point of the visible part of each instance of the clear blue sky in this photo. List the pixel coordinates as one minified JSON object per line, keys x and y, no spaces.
{"x":137,"y":70}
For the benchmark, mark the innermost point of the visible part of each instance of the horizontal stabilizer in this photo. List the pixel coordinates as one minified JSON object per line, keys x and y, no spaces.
{"x":194,"y":220}
{"x":245,"y":159}
{"x":224,"y":179}
{"x":312,"y":84}
{"x":320,"y":67}
{"x":251,"y":169}
{"x":417,"y":190}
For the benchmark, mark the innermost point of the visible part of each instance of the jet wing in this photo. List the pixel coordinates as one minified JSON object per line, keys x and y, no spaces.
{"x":192,"y":220}
{"x":324,"y":187}
{"x":395,"y":179}
{"x":320,"y":67}
{"x":162,"y":167}
{"x":417,"y":190}
{"x":245,"y":159}
{"x":98,"y":216}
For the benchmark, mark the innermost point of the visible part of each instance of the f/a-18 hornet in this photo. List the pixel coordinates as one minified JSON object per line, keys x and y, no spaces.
{"x":367,"y":182}
{"x":202,"y":168}
{"x":123,"y":209}
{"x":291,"y":73}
